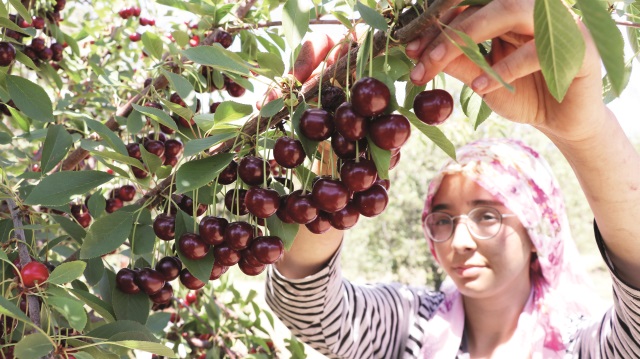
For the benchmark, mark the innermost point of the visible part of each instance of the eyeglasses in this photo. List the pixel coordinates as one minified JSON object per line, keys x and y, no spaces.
{"x":482,"y":223}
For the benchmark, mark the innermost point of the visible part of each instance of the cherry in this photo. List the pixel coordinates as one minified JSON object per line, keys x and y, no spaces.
{"x":225,"y":255}
{"x":332,"y":97}
{"x":170,"y":161}
{"x":213,"y":107}
{"x":390,"y":131}
{"x":57,"y":49}
{"x":249,"y":258}
{"x":350,"y":125}
{"x":164,"y":226}
{"x":30,"y":52}
{"x":125,"y":13}
{"x":358,"y":176}
{"x":113,"y":204}
{"x":186,"y":204}
{"x":237,"y":235}
{"x":229,"y":174}
{"x":135,"y":11}
{"x":59,"y":5}
{"x":45,"y":54}
{"x":191,"y":298}
{"x":155,"y":147}
{"x":126,"y":193}
{"x":394,"y":160}
{"x":234,"y":89}
{"x":81,"y":213}
{"x":384,"y":183}
{"x":190,"y":281}
{"x":300,"y":207}
{"x":262,"y":202}
{"x":249,"y":269}
{"x":234,"y":201}
{"x":212,"y":229}
{"x":282,"y":212}
{"x":223,"y":38}
{"x":139,"y":173}
{"x":370,"y":97}
{"x":34,"y":273}
{"x":170,"y":267}
{"x":174,"y":318}
{"x":156,"y":136}
{"x":149,"y":280}
{"x":7,"y":53}
{"x":316,"y":124}
{"x":267,"y":249}
{"x":133,"y":149}
{"x":37,"y":22}
{"x":146,"y":22}
{"x":433,"y":107}
{"x":288,"y":152}
{"x":321,"y":224}
{"x":371,"y":202}
{"x":135,"y":37}
{"x":330,"y":195}
{"x":37,"y":44}
{"x":217,"y":271}
{"x":346,"y":149}
{"x":346,"y":217}
{"x":164,"y":295}
{"x":252,"y":170}
{"x":173,"y":148}
{"x":192,"y":246}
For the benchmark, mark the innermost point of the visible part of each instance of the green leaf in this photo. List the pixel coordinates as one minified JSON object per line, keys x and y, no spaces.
{"x":96,"y":205}
{"x":11,"y":310}
{"x":372,"y":17}
{"x":470,"y":49}
{"x":633,"y":33}
{"x":152,"y":45}
{"x":72,"y":228}
{"x":198,"y":173}
{"x":155,"y":348}
{"x":106,"y":234}
{"x":474,"y":106}
{"x":182,"y":86}
{"x":158,"y":321}
{"x":6,"y":231}
{"x":310,"y":147}
{"x":24,"y":59}
{"x":342,"y":17}
{"x":157,"y":115}
{"x":109,"y":330}
{"x":126,"y":159}
{"x":218,"y":58}
{"x":71,"y":310}
{"x":286,"y":231}
{"x":362,"y":58}
{"x":559,"y":44}
{"x":108,"y":135}
{"x":5,"y":138}
{"x":272,"y":108}
{"x":95,"y":303}
{"x":144,"y":240}
{"x":433,"y":132}
{"x":152,"y":161}
{"x":608,"y":40}
{"x":474,"y":2}
{"x":305,"y":176}
{"x":181,"y":37}
{"x":35,"y":345}
{"x":295,"y":21}
{"x":134,"y":307}
{"x":17,"y":5}
{"x":55,"y":147}
{"x":22,"y":120}
{"x":66,"y":272}
{"x":30,"y":98}
{"x":381,"y":158}
{"x":271,"y":64}
{"x":229,"y":111}
{"x":95,"y":271}
{"x":58,"y":188}
{"x":194,"y":147}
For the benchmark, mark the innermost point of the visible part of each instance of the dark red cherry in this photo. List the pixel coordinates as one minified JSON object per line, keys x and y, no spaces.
{"x":164,"y":295}
{"x":126,"y":193}
{"x":175,"y":98}
{"x":282,"y":213}
{"x":267,"y":249}
{"x":173,"y":148}
{"x":37,"y":44}
{"x":288,"y":152}
{"x":433,"y":107}
{"x":249,"y":269}
{"x":358,"y":176}
{"x":113,"y":204}
{"x":384,"y":183}
{"x":45,"y":54}
{"x":346,"y":149}
{"x":134,"y":150}
{"x":247,"y":255}
{"x":37,"y":22}
{"x":164,"y":226}
{"x":223,"y":38}
{"x":190,"y":281}
{"x":332,"y":97}
{"x":234,"y":89}
{"x":229,"y":174}
{"x":213,"y":107}
{"x":59,"y":6}
{"x":170,"y":267}
{"x":300,"y":207}
{"x":155,"y":147}
{"x":150,"y":281}
{"x":212,"y":229}
{"x":125,"y":281}
{"x":262,"y":202}
{"x":330,"y":195}
{"x":370,"y":97}
{"x":170,"y":161}
{"x":350,"y":125}
{"x":394,"y":160}
{"x":217,"y":271}
{"x":346,"y":217}
{"x":234,"y":201}
{"x":316,"y":124}
{"x":225,"y":255}
{"x":186,"y":204}
{"x":371,"y":202}
{"x":252,"y":170}
{"x":237,"y":235}
{"x":192,"y":246}
{"x":321,"y":224}
{"x":139,"y":173}
{"x":7,"y":53}
{"x":390,"y":131}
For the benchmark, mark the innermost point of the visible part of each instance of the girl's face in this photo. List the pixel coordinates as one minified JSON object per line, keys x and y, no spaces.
{"x":481,"y":268}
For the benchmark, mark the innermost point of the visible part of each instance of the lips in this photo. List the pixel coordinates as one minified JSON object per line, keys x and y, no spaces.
{"x":467,"y":270}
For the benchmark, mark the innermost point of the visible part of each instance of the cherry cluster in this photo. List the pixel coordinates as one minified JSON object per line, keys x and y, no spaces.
{"x":117,"y":197}
{"x":168,"y":150}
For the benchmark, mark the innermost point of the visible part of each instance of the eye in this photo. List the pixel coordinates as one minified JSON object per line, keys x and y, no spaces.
{"x":440,"y":219}
{"x":486,"y":217}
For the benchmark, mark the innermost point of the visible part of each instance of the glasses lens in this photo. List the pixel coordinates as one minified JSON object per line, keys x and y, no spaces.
{"x":439,"y":226}
{"x":484,"y":222}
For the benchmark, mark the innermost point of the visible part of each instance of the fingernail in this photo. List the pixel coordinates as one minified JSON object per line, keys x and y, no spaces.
{"x":437,"y":53}
{"x":413,"y":46}
{"x":418,"y":72}
{"x":479,"y":83}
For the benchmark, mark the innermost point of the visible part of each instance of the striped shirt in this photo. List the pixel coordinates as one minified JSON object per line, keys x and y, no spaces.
{"x":344,"y":320}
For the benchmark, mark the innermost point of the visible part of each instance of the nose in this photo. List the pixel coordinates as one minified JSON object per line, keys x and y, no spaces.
{"x":462,"y":240}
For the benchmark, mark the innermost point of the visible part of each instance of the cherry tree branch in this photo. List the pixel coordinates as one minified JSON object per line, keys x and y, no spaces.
{"x":244,"y":8}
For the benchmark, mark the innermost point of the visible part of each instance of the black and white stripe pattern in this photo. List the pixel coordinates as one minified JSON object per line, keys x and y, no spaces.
{"x":343,"y":320}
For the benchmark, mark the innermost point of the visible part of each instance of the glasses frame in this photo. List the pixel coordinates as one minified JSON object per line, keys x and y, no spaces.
{"x":501,"y":216}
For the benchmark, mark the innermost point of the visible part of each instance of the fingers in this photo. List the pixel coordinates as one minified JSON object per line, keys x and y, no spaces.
{"x":517,"y":64}
{"x":313,"y":52}
{"x":415,"y":48}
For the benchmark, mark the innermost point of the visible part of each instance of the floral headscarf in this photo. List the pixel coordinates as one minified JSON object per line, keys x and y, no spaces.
{"x":522,"y":180}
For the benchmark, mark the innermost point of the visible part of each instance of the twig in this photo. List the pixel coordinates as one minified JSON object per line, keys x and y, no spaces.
{"x":279,"y":23}
{"x":244,"y":8}
{"x":627,"y":23}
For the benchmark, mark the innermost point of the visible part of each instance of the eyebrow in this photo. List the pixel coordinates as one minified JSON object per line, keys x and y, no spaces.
{"x":474,"y":203}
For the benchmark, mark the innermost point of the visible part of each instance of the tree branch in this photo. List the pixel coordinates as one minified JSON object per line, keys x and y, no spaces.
{"x":244,"y":8}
